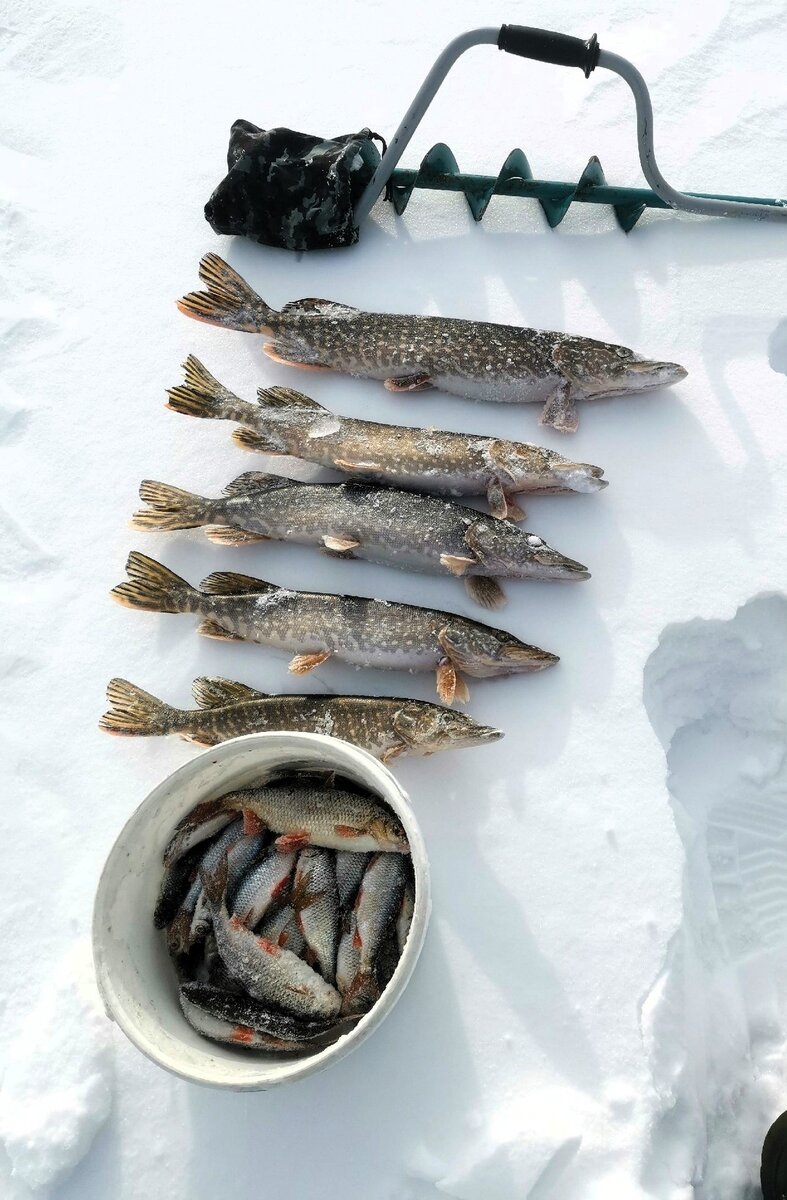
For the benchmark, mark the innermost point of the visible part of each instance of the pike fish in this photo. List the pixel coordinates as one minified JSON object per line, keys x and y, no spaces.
{"x":385,"y":726}
{"x":238,"y":1020}
{"x":303,"y":815}
{"x":318,"y":625}
{"x":475,"y":359}
{"x":425,"y":460}
{"x":362,"y":520}
{"x":267,"y":972}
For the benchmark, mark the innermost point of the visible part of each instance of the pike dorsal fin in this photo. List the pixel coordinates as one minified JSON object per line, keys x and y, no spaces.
{"x":314,"y":307}
{"x":282,"y":397}
{"x":255,"y":481}
{"x":230,"y":583}
{"x":211,"y":691}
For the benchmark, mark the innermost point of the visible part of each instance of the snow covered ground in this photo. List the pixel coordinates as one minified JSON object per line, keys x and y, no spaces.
{"x":601,"y":1006}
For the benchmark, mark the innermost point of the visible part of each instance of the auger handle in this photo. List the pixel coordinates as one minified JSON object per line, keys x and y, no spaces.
{"x":570,"y":52}
{"x":545,"y":46}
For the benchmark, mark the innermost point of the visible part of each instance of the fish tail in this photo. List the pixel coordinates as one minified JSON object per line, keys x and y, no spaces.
{"x":215,"y":882}
{"x":135,"y":713}
{"x":172,"y":508}
{"x":203,"y":396}
{"x":228,"y":300}
{"x":154,"y":587}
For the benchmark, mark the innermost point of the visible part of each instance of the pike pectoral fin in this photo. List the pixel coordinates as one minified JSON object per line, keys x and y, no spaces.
{"x":392,"y":752}
{"x":409,"y":383}
{"x":455,"y":563}
{"x":462,"y":690}
{"x":301,"y":664}
{"x":446,"y":681}
{"x":339,"y":545}
{"x":485,"y":590}
{"x":211,"y":629}
{"x":224,"y":535}
{"x":496,"y":497}
{"x":560,"y":410}
{"x":514,"y":511}
{"x":270,"y":349}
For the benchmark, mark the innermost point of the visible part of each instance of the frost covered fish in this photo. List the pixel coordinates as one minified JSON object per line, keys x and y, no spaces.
{"x":267,"y":971}
{"x":376,"y":908}
{"x":282,"y":928}
{"x":315,"y":900}
{"x":361,"y":520}
{"x":475,"y":359}
{"x":318,"y":625}
{"x":428,"y":460}
{"x":385,"y":726}
{"x":239,"y":1020}
{"x":304,"y":815}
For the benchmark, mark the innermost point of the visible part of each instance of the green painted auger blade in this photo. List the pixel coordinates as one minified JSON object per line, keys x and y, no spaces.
{"x":439,"y":171}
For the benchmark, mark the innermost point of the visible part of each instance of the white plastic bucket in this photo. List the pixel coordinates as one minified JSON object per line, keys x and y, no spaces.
{"x":135,"y":976}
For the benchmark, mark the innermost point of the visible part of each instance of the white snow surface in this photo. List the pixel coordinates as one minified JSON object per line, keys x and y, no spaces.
{"x":601,"y":1006}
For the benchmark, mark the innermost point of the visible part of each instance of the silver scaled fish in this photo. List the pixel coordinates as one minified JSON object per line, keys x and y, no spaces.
{"x":475,"y":359}
{"x":425,"y":460}
{"x":318,"y":625}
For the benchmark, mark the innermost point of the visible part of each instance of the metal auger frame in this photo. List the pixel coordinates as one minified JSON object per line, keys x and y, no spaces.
{"x":439,"y":170}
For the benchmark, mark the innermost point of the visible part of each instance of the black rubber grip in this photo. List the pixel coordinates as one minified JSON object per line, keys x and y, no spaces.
{"x":545,"y":46}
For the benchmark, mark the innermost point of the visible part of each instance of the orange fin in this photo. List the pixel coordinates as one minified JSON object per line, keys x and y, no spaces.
{"x":343,"y":465}
{"x":225,"y":535}
{"x":485,"y":590}
{"x":301,"y":664}
{"x":338,"y":544}
{"x":455,"y":563}
{"x":446,"y":681}
{"x":409,"y":383}
{"x":292,"y":841}
{"x":270,"y":349}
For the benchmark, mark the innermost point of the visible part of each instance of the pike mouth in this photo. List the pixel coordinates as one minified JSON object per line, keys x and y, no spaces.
{"x":528,"y":658}
{"x":484,"y":734}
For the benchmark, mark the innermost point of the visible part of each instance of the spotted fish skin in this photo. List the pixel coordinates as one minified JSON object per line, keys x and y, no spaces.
{"x":475,"y":359}
{"x":385,"y":726}
{"x":316,"y":625}
{"x":284,"y":421}
{"x":407,"y":530}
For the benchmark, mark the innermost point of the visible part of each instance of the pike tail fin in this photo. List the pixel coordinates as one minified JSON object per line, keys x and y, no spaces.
{"x":203,"y":396}
{"x":228,"y":300}
{"x":172,"y":508}
{"x":135,"y":713}
{"x":153,"y":587}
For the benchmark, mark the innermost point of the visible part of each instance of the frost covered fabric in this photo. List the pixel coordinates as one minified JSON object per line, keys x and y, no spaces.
{"x":290,"y":189}
{"x":600,"y":1009}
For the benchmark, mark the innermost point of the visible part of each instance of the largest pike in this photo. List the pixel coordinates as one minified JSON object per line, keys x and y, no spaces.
{"x":426,"y":460}
{"x":476,"y":359}
{"x":359,"y":520}
{"x":318,"y":625}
